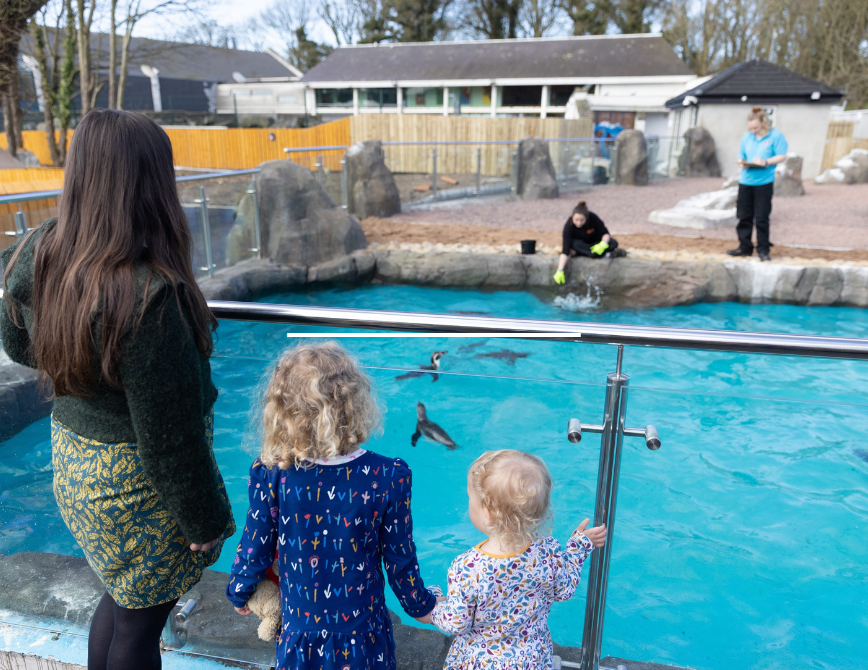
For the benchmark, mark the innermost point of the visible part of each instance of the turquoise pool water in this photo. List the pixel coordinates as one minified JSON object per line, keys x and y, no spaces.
{"x":740,"y":543}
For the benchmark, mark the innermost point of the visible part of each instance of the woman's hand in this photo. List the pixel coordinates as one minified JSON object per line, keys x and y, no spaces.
{"x":597,"y":534}
{"x":243,"y":611}
{"x":427,"y":617}
{"x":206,"y":546}
{"x":760,"y":161}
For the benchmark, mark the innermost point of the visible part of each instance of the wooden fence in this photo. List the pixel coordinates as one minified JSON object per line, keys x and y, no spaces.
{"x":840,"y":142}
{"x":461,"y":159}
{"x":231,"y":148}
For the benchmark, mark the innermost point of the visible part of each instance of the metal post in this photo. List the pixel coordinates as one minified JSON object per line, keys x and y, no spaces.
{"x":515,"y":171}
{"x":258,"y":226}
{"x":206,"y":230}
{"x":345,"y":199}
{"x":319,"y":167}
{"x":478,"y":169}
{"x":604,"y":512}
{"x":434,"y":162}
{"x":20,"y":222}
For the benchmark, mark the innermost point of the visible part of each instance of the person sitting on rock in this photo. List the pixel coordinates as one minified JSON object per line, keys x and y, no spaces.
{"x":585,"y":234}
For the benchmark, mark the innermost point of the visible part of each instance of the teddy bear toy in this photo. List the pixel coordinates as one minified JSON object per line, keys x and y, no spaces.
{"x":265,"y":603}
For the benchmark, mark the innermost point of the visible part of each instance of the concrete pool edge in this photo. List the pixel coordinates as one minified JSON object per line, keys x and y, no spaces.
{"x":58,"y":590}
{"x":620,"y":282}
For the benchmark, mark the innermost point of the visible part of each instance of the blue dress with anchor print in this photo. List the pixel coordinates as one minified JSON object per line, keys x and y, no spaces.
{"x":335,"y":529}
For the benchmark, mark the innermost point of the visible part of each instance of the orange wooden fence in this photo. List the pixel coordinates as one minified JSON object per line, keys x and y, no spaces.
{"x":231,"y":148}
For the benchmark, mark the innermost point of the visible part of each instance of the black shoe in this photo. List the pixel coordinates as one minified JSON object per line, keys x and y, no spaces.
{"x":739,"y":252}
{"x":618,"y":253}
{"x":764,"y":256}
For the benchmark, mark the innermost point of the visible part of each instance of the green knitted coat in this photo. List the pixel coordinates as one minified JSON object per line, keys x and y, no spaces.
{"x":165,"y":396}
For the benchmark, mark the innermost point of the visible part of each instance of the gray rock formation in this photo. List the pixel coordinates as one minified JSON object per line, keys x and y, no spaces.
{"x":252,"y":278}
{"x":536,"y":174}
{"x":788,"y":177}
{"x":715,"y":209}
{"x":370,"y":183}
{"x":300,"y":223}
{"x":632,"y":162}
{"x":21,"y":400}
{"x":851,"y":169}
{"x":700,"y":156}
{"x":28,"y":158}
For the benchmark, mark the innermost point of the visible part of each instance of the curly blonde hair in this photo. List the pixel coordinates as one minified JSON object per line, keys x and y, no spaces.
{"x":318,"y":404}
{"x":515,"y":488}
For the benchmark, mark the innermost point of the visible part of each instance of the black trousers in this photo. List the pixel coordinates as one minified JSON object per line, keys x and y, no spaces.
{"x":126,"y":639}
{"x":754,"y":205}
{"x":584,"y":249}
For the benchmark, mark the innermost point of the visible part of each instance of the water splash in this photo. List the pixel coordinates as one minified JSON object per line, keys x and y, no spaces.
{"x":580,"y":303}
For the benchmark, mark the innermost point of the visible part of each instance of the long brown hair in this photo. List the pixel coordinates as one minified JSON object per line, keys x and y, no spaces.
{"x":119,"y":208}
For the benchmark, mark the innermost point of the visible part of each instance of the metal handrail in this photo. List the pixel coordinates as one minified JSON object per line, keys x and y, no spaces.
{"x":44,"y":195}
{"x":578,"y":331}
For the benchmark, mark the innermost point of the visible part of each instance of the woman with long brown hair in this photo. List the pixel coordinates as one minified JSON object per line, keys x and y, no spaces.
{"x":103,"y":302}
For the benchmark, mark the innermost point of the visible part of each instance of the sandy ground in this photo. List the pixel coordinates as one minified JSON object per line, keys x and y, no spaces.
{"x":826,"y":216}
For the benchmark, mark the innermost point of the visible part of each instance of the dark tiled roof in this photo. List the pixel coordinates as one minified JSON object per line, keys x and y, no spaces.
{"x":604,"y":56}
{"x":760,"y":81}
{"x":176,"y":60}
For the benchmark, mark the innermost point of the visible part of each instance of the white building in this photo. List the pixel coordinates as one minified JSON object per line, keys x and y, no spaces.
{"x":798,"y":106}
{"x":628,"y":79}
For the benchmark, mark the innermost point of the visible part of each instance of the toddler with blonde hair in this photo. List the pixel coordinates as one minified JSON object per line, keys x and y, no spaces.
{"x":501,"y":590}
{"x":335,"y":513}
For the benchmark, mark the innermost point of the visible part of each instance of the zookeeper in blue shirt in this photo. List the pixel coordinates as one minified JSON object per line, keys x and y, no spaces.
{"x":764,"y":147}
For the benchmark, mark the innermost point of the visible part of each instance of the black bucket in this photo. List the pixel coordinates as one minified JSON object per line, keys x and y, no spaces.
{"x":528,"y":247}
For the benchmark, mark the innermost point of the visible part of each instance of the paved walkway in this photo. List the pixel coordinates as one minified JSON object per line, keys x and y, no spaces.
{"x":826,"y":216}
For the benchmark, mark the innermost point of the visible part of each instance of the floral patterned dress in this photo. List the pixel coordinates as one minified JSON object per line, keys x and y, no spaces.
{"x":498,"y":606}
{"x":335,"y":526}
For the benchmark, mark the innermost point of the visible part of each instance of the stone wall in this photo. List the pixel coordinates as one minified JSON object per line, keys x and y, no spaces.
{"x":622,"y":282}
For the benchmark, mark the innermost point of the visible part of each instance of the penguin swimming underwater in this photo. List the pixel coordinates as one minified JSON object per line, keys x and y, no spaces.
{"x":431,"y":430}
{"x":424,"y":369}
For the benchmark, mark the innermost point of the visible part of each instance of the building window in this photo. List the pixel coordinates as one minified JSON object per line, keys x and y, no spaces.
{"x":378,"y":97}
{"x":334,"y":97}
{"x":522,"y":96}
{"x":423,"y":97}
{"x":560,"y":95}
{"x":471,"y":96}
{"x":260,"y":91}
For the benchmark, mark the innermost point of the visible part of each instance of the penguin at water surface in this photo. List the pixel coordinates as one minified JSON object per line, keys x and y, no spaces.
{"x":426,"y":369}
{"x":430,"y":430}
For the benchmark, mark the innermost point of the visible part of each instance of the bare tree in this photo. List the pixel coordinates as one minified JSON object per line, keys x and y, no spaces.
{"x":84,"y":16}
{"x":492,"y":19}
{"x":587,"y":16}
{"x":14,"y":15}
{"x":342,"y":18}
{"x":136,"y":10}
{"x":538,"y":17}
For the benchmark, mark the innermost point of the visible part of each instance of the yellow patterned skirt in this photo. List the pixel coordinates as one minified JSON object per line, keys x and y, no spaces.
{"x":127,"y":535}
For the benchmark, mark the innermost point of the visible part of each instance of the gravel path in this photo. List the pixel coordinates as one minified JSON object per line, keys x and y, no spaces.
{"x":826,"y":216}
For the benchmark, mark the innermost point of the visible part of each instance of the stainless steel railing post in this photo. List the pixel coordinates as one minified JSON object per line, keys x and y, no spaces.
{"x":256,"y":222}
{"x":434,"y":170}
{"x":604,"y":513}
{"x":206,"y":230}
{"x":478,"y":168}
{"x":345,"y":196}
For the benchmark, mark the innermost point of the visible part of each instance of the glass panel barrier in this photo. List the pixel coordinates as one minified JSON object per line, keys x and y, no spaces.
{"x":746,"y":520}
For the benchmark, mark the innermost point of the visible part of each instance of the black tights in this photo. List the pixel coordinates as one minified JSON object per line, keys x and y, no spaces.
{"x":126,"y":639}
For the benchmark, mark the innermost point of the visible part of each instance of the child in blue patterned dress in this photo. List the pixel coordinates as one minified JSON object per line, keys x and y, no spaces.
{"x":334,"y":512}
{"x":501,"y":590}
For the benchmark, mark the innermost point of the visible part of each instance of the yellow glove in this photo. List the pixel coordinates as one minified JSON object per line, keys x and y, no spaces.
{"x":599,"y":248}
{"x":559,"y":277}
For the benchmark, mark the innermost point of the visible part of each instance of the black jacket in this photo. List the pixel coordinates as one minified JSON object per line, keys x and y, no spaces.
{"x":591,"y":233}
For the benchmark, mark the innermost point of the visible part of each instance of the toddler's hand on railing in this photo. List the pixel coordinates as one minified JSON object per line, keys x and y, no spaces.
{"x":597,"y":534}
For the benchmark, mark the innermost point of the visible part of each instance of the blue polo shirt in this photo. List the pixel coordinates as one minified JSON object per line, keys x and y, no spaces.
{"x":773,"y":144}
